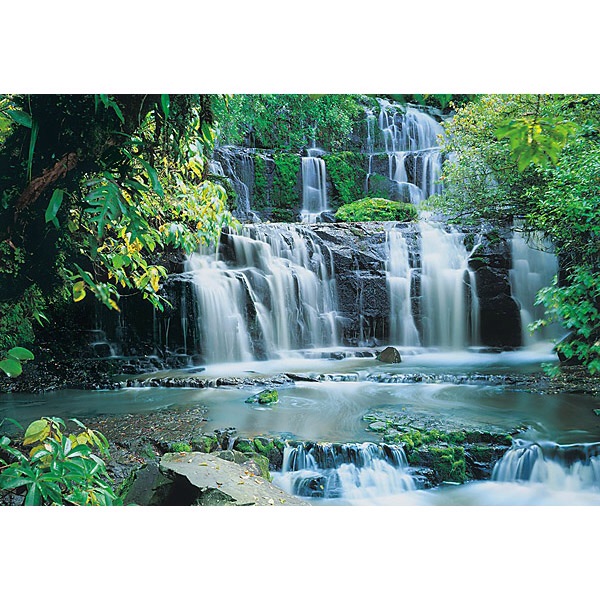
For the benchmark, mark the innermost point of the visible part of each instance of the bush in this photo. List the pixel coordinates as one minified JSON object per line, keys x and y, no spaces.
{"x":60,"y":468}
{"x":376,"y":209}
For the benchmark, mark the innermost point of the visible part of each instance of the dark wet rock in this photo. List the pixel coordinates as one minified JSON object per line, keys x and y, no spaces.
{"x":389,"y":355}
{"x":301,"y":377}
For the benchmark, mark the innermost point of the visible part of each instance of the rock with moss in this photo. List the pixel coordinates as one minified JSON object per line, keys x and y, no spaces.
{"x":269,"y":396}
{"x":376,"y":209}
{"x":205,"y":443}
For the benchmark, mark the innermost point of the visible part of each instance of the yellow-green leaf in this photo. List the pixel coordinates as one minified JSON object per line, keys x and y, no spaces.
{"x":79,"y":291}
{"x":37,"y":431}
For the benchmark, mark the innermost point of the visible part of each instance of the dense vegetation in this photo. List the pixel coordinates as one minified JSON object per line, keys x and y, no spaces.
{"x":91,"y":188}
{"x":537,"y":159}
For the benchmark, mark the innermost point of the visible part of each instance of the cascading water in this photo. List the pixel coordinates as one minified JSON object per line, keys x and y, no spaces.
{"x":348,"y":471}
{"x":574,"y":467}
{"x":411,"y":141}
{"x":314,"y":186}
{"x":276,"y":293}
{"x":534,"y":266}
{"x":449,"y":299}
{"x":399,"y":273}
{"x":238,"y":167}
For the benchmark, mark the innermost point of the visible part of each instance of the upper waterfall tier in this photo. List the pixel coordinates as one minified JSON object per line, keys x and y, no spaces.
{"x":394,"y":153}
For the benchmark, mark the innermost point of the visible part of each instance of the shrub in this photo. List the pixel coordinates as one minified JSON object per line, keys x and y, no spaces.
{"x":60,"y":468}
{"x":376,"y":209}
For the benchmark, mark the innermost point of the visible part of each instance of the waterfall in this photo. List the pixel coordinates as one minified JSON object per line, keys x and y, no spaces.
{"x":564,"y":467}
{"x":411,"y":141}
{"x":314,"y":186}
{"x":276,"y":292}
{"x":534,"y":265}
{"x":351,"y":471}
{"x":448,"y":293}
{"x":403,"y":330}
{"x":238,"y":166}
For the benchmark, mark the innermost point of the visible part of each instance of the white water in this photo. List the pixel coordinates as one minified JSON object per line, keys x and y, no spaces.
{"x":314,"y":186}
{"x":403,"y":330}
{"x":410,"y":137}
{"x":449,"y":298}
{"x":348,"y":471}
{"x":534,"y":265}
{"x":279,"y":296}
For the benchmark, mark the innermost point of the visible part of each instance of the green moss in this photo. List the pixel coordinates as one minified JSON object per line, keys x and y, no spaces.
{"x":265,"y":397}
{"x":449,"y":463}
{"x":376,"y":209}
{"x":263,"y":446}
{"x":206,"y":444}
{"x":346,"y":171}
{"x":285,"y":182}
{"x":262,"y":462}
{"x":180,"y":447}
{"x":259,"y":199}
{"x":245,"y":446}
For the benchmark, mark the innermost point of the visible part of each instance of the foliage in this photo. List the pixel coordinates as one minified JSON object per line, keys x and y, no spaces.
{"x":347,"y":173}
{"x":284,"y":195}
{"x":91,"y":187}
{"x":11,"y":363}
{"x":60,"y":468}
{"x":287,"y":121}
{"x":376,"y":209}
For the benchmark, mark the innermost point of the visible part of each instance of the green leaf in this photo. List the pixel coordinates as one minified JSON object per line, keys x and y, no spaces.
{"x":165,"y":102}
{"x":11,"y":367}
{"x":20,"y":117}
{"x":153,"y":175}
{"x":34,"y":497}
{"x":54,"y":206}
{"x":34,"y":134}
{"x":21,"y":353}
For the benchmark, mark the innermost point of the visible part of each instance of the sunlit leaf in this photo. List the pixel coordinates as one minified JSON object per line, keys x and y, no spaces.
{"x":79,"y":291}
{"x":36,"y":432}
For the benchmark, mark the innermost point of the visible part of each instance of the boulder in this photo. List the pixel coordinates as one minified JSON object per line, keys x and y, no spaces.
{"x":221,"y":482}
{"x":390,"y":355}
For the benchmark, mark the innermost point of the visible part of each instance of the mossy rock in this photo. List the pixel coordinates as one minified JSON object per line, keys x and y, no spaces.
{"x":262,"y":462}
{"x":449,"y":463}
{"x":376,"y":209}
{"x":243,"y":445}
{"x":206,"y":443}
{"x":270,"y":396}
{"x":263,"y":445}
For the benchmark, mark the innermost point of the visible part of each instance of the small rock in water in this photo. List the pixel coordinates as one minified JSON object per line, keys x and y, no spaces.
{"x":265,"y":397}
{"x":389,"y":355}
{"x":378,"y":426}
